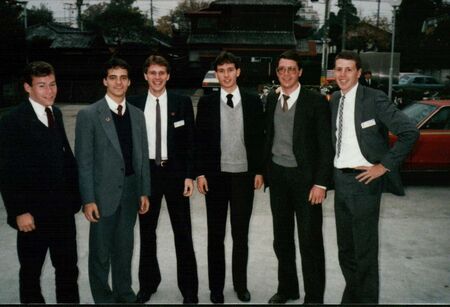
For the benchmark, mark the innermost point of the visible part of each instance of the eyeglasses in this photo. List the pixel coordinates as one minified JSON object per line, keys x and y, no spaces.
{"x":289,"y":70}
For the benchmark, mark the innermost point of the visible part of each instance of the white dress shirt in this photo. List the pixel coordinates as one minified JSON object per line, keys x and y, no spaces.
{"x":236,"y":96}
{"x":39,"y":109}
{"x":351,"y":155}
{"x":113,"y":105}
{"x":292,"y":97}
{"x":150,"y":119}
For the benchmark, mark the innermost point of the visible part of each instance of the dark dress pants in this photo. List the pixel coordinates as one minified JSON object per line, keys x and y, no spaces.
{"x":357,"y":211}
{"x":238,"y":190}
{"x":170,"y":185}
{"x":111,"y":242}
{"x":289,"y":200}
{"x":58,"y":236}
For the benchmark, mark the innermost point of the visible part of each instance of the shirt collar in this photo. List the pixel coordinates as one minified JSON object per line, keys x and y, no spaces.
{"x":351,"y":94}
{"x":37,"y":107}
{"x":236,"y":95}
{"x":162,"y":97}
{"x":293,"y":96}
{"x":113,"y":105}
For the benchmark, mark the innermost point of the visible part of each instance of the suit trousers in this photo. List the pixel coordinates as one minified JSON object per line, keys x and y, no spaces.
{"x":238,"y":190}
{"x":289,"y":200}
{"x":111,"y":245}
{"x":357,"y":211}
{"x":170,"y":185}
{"x":58,"y":235}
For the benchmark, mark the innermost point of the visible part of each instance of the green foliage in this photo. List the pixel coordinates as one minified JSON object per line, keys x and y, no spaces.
{"x":117,"y":21}
{"x":39,"y":15}
{"x":336,"y":20}
{"x":176,"y":20}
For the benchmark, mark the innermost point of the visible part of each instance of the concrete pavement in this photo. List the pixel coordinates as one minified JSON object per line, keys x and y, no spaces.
{"x":414,"y":250}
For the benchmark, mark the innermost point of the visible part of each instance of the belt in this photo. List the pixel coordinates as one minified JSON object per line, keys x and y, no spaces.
{"x":350,"y":170}
{"x":163,"y":163}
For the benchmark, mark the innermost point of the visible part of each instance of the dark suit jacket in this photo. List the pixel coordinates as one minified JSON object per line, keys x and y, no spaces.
{"x":38,"y":172}
{"x":180,"y":139}
{"x":208,"y":150}
{"x":379,"y":115}
{"x":311,"y":137}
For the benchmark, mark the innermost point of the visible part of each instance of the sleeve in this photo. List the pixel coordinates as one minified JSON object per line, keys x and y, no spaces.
{"x":190,"y":125}
{"x":400,"y":125}
{"x":84,"y":154}
{"x":145,"y":172}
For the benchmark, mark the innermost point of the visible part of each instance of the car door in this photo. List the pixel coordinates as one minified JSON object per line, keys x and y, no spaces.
{"x":432,"y":150}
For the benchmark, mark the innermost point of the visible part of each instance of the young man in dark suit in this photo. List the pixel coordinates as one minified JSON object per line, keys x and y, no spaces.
{"x":364,"y":165}
{"x":39,"y":186}
{"x":298,"y":157}
{"x":170,"y":131}
{"x":112,"y":154}
{"x":367,"y":80}
{"x":229,"y":141}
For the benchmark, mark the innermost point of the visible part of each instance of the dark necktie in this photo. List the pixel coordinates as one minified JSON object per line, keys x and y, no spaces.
{"x":158,"y":133}
{"x":230,"y":100}
{"x":119,"y":110}
{"x":50,"y":118}
{"x":340,"y":124}
{"x":285,"y":104}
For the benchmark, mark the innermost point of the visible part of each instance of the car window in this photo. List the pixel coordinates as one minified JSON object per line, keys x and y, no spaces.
{"x":418,"y":111}
{"x":419,"y":80}
{"x":439,"y":121}
{"x":210,"y":75}
{"x":431,"y":81}
{"x":403,"y":80}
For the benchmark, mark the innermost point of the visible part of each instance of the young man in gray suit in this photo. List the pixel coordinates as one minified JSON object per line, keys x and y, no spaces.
{"x":112,"y":154}
{"x":364,"y":166}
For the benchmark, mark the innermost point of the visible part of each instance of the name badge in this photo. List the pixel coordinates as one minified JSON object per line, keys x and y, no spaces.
{"x":367,"y":124}
{"x":178,"y":123}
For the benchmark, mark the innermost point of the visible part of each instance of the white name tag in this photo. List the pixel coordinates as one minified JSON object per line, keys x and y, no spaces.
{"x":178,"y":123}
{"x":367,"y":124}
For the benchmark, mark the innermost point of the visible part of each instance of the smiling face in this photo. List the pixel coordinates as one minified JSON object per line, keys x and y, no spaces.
{"x":157,"y":77}
{"x":42,"y":90}
{"x":227,"y":75}
{"x":288,"y":74}
{"x":346,"y":74}
{"x":117,"y":83}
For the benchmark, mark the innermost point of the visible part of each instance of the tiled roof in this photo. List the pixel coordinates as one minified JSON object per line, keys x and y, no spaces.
{"x":273,"y":38}
{"x":256,"y":2}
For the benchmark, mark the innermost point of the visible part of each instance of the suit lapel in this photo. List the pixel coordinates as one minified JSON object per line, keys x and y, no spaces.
{"x":299,"y":116}
{"x":359,"y":108}
{"x":171,"y":115}
{"x":334,"y":110}
{"x":107,"y":122}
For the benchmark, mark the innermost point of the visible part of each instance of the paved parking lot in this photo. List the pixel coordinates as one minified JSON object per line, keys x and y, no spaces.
{"x":414,"y":249}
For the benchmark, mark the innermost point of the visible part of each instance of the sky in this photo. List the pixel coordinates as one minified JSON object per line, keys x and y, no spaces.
{"x":163,"y":7}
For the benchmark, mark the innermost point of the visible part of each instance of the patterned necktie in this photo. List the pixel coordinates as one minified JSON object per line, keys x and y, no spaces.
{"x":285,"y":104}
{"x":230,"y":100}
{"x":50,"y":118}
{"x":158,"y":133}
{"x":119,"y":110}
{"x":340,"y":125}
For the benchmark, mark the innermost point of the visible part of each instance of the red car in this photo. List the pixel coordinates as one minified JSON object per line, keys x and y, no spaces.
{"x":432,"y":150}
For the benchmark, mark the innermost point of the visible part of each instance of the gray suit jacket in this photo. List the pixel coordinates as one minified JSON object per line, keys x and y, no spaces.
{"x":100,"y":162}
{"x":373,"y":106}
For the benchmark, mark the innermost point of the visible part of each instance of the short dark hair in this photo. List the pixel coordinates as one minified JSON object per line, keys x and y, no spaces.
{"x":349,"y":55}
{"x":290,"y":55}
{"x":37,"y":69}
{"x":156,"y":60}
{"x":226,"y":57}
{"x":115,"y":62}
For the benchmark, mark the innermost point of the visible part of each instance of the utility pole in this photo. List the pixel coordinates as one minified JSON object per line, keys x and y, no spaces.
{"x":344,"y":23}
{"x":378,"y":14}
{"x":79,"y":3}
{"x":325,"y":41}
{"x":391,"y":68}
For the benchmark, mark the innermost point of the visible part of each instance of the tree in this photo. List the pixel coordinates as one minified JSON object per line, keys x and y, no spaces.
{"x":410,"y":18}
{"x":39,"y":15}
{"x":366,"y":36}
{"x":348,"y":12}
{"x":176,"y":20}
{"x":118,"y":21}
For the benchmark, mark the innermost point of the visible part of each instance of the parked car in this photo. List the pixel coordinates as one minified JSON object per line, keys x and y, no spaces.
{"x":432,"y":150}
{"x":210,"y":83}
{"x":413,"y":86}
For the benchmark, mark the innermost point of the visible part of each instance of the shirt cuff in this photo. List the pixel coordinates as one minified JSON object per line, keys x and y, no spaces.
{"x":321,"y":186}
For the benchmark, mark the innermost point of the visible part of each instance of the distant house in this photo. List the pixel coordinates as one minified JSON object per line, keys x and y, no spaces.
{"x":255,"y":30}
